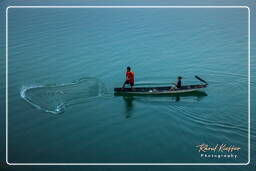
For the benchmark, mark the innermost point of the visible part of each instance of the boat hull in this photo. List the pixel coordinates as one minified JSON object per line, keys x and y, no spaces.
{"x":160,"y":90}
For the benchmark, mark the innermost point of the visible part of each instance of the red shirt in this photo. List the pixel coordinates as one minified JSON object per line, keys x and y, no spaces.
{"x":130,"y":76}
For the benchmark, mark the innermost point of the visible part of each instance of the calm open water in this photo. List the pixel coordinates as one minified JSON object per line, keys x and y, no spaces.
{"x":64,"y":64}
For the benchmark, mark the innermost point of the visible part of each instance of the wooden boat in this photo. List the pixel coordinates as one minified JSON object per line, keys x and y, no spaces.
{"x":162,"y":90}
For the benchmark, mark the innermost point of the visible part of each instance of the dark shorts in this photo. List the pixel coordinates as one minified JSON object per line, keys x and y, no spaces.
{"x":127,"y":82}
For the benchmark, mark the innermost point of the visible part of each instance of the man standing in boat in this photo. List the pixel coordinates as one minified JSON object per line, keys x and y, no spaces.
{"x":129,"y":77}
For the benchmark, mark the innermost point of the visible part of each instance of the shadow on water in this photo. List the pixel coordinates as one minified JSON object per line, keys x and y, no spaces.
{"x":128,"y":105}
{"x":199,"y":95}
{"x":130,"y":98}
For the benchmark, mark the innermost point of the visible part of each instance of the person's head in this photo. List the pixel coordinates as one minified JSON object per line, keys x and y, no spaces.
{"x":128,"y":68}
{"x":179,"y":77}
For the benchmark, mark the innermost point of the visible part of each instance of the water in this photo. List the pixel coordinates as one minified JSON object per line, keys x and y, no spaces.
{"x":55,"y":98}
{"x":64,"y":64}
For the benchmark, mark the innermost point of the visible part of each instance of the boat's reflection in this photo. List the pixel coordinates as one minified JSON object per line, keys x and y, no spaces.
{"x":199,"y":95}
{"x":128,"y":105}
{"x":130,"y":98}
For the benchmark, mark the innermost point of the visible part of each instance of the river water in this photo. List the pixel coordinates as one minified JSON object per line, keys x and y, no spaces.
{"x":63,"y":65}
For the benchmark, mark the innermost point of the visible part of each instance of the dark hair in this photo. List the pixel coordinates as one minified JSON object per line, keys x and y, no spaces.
{"x":128,"y":68}
{"x":179,"y":77}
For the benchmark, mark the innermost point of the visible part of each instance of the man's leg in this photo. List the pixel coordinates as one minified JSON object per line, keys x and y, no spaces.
{"x":131,"y":84}
{"x":124,"y":84}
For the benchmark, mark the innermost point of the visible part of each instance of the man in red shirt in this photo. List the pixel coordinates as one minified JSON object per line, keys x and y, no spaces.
{"x":129,"y":77}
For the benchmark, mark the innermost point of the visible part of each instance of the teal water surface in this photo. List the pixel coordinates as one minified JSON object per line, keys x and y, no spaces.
{"x":64,"y":64}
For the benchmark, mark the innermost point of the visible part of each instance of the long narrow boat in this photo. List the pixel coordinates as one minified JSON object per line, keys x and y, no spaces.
{"x":162,"y":90}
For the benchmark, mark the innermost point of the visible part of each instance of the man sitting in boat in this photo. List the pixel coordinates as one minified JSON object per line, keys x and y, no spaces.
{"x":129,"y":77}
{"x":178,"y":84}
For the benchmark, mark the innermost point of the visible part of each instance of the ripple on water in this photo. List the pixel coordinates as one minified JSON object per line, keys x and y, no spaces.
{"x":56,"y":98}
{"x":194,"y":117}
